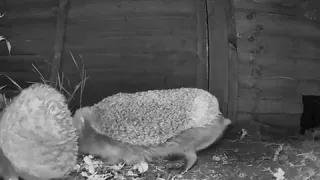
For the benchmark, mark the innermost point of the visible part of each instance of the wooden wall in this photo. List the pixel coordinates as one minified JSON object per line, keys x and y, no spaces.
{"x":129,"y":46}
{"x":28,"y":26}
{"x":278,"y":48}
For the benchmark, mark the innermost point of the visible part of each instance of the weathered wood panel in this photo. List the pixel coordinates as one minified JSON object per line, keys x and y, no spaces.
{"x":31,"y":8}
{"x":285,"y":7}
{"x":161,"y":63}
{"x":302,"y":70}
{"x":22,"y":63}
{"x":271,"y":24}
{"x":309,"y":87}
{"x":28,"y":35}
{"x":277,"y":120}
{"x":272,"y":2}
{"x":274,"y":94}
{"x":137,"y":26}
{"x":129,"y":46}
{"x":128,"y":8}
{"x":268,"y":83}
{"x":278,"y":47}
{"x":266,"y":50}
{"x":269,"y":106}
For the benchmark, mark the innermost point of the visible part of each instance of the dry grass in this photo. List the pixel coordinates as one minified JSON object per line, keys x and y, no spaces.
{"x":60,"y":83}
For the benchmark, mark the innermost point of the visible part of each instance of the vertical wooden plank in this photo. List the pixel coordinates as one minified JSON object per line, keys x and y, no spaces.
{"x":62,"y":16}
{"x":202,"y":45}
{"x":232,"y":63}
{"x":231,"y":24}
{"x":218,"y":51}
{"x":233,"y":83}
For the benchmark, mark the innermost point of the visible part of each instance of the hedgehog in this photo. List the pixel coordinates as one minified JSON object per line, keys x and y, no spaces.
{"x":141,"y":126}
{"x":152,"y":117}
{"x":186,"y":144}
{"x":37,"y":135}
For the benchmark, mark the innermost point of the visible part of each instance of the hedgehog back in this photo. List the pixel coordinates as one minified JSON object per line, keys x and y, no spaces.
{"x":152,"y":117}
{"x":37,"y":134}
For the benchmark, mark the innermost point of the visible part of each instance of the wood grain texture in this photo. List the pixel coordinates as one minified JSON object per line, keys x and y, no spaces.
{"x":267,"y":83}
{"x":269,"y":106}
{"x":291,"y":95}
{"x":105,"y":27}
{"x":276,"y":120}
{"x":131,"y":45}
{"x":128,"y":8}
{"x":268,"y":49}
{"x":301,"y":70}
{"x":263,"y":23}
{"x":277,"y":88}
{"x":174,"y":62}
{"x":284,"y":7}
{"x":29,"y":36}
{"x":17,"y":9}
{"x":22,"y":63}
{"x":309,"y":87}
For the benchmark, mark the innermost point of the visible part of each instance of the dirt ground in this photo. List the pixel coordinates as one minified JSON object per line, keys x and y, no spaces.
{"x":242,"y":157}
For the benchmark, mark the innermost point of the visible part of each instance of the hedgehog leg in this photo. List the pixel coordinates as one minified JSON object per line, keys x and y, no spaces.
{"x":189,"y":161}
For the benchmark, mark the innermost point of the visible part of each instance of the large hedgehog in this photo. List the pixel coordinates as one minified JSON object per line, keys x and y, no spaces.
{"x":37,"y":135}
{"x":136,"y":126}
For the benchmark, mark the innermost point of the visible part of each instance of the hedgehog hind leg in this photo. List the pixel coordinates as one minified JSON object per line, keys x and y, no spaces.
{"x":189,"y":161}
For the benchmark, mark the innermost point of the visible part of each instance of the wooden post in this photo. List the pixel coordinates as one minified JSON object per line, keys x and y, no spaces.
{"x":59,"y":40}
{"x":202,"y":45}
{"x":221,"y":73}
{"x":233,"y":83}
{"x":232,"y":63}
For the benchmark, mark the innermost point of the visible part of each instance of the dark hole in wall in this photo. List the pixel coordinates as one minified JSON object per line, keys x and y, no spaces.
{"x":310,"y":117}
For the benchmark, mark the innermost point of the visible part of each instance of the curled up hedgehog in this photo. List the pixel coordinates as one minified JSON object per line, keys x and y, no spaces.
{"x":135,"y":127}
{"x":37,"y":136}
